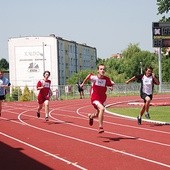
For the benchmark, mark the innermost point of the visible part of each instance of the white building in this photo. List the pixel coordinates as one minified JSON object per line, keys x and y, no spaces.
{"x":29,"y":57}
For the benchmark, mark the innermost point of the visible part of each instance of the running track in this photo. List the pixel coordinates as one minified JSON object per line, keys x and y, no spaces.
{"x":66,"y":141}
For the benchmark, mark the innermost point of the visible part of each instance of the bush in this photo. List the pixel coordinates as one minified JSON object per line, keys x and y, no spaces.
{"x":26,"y":96}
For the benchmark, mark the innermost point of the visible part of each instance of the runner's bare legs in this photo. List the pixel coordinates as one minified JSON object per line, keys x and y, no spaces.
{"x":40,"y":106}
{"x":46,"y":103}
{"x":100,"y":114}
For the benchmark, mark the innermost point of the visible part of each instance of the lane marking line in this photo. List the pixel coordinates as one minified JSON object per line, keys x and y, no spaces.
{"x":94,"y":144}
{"x":43,"y":151}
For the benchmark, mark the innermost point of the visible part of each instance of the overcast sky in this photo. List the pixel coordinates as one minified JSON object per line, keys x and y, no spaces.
{"x":108,"y":25}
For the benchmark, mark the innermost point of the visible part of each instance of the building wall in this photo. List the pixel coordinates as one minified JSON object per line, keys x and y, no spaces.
{"x":30,"y":56}
{"x":74,"y":57}
{"x":86,"y":57}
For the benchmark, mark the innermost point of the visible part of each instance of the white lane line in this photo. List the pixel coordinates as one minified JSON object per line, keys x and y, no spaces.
{"x":118,"y":134}
{"x":94,"y":144}
{"x":141,"y":139}
{"x":10,"y":120}
{"x":129,"y":117}
{"x":144,"y":120}
{"x":118,"y":124}
{"x":141,"y":128}
{"x":43,"y":151}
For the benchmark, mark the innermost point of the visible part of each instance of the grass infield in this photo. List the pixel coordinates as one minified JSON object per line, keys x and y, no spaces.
{"x":158,"y":113}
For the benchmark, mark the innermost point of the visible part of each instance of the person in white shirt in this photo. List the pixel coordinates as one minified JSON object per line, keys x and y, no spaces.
{"x":148,"y":79}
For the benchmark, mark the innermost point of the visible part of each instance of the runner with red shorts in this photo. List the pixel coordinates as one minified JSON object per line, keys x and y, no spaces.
{"x":99,"y":84}
{"x":44,"y":94}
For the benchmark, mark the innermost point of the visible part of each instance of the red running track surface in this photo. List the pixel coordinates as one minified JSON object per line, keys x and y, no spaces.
{"x":66,"y":141}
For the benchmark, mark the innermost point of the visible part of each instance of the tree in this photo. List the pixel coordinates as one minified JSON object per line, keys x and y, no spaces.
{"x":16,"y":93}
{"x":164,"y":8}
{"x":79,"y":76}
{"x":26,"y":95}
{"x":131,"y":50}
{"x":99,"y":61}
{"x":133,"y":60}
{"x":165,"y":69}
{"x":4,"y":65}
{"x":121,"y":69}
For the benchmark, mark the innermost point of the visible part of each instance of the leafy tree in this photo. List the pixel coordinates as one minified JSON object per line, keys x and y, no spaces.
{"x":16,"y":93}
{"x":26,"y":96}
{"x":121,"y":69}
{"x":165,"y":69}
{"x":99,"y":60}
{"x":131,"y":50}
{"x":79,"y":76}
{"x":32,"y":95}
{"x":8,"y":97}
{"x":133,"y":59}
{"x":4,"y":65}
{"x":163,"y":8}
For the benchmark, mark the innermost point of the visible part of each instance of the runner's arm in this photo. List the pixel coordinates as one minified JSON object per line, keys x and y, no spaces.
{"x":131,"y":79}
{"x":84,"y":81}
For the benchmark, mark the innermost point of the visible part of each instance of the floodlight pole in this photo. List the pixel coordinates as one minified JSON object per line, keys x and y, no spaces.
{"x":141,"y":71}
{"x":160,"y":69}
{"x":43,"y":54}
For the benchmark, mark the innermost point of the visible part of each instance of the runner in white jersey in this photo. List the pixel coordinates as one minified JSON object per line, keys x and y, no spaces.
{"x":146,"y":91}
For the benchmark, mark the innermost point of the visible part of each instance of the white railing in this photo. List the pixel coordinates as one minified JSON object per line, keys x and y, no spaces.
{"x":63,"y":92}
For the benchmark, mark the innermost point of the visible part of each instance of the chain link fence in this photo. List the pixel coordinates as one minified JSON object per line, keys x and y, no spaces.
{"x":65,"y":92}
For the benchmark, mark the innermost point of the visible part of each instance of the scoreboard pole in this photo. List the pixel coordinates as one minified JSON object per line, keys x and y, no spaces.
{"x":160,"y":69}
{"x":161,"y":38}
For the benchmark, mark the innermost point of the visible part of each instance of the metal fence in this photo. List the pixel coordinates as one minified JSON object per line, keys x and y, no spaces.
{"x":64,"y":92}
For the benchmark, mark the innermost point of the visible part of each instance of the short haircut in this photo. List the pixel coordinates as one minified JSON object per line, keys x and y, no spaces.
{"x":148,"y":67}
{"x":46,"y":72}
{"x":100,"y":65}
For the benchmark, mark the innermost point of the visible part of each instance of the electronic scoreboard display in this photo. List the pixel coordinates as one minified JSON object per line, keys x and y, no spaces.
{"x":161,"y":34}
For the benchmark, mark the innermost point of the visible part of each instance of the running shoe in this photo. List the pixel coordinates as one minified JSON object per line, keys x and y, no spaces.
{"x":101,"y":130}
{"x":147,"y":116}
{"x":46,"y":118}
{"x":90,"y":120}
{"x":38,"y":114}
{"x":139,"y":120}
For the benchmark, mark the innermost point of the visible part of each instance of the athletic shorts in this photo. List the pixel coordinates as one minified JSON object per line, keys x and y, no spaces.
{"x":95,"y":103}
{"x":41,"y":99}
{"x":2,"y":97}
{"x":80,"y":89}
{"x":144,"y":95}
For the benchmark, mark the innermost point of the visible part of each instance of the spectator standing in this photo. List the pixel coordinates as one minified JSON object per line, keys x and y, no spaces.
{"x":80,"y":89}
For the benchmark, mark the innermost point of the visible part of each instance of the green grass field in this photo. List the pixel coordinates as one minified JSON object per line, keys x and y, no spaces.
{"x":159,"y":113}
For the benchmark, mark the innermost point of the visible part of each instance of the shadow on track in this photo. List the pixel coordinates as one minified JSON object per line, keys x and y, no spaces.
{"x":13,"y":158}
{"x":110,"y":139}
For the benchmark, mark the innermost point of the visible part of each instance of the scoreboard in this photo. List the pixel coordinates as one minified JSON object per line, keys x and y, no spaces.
{"x":161,"y":34}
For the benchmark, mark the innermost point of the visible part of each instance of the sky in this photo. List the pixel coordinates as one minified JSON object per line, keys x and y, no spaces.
{"x":108,"y":25}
